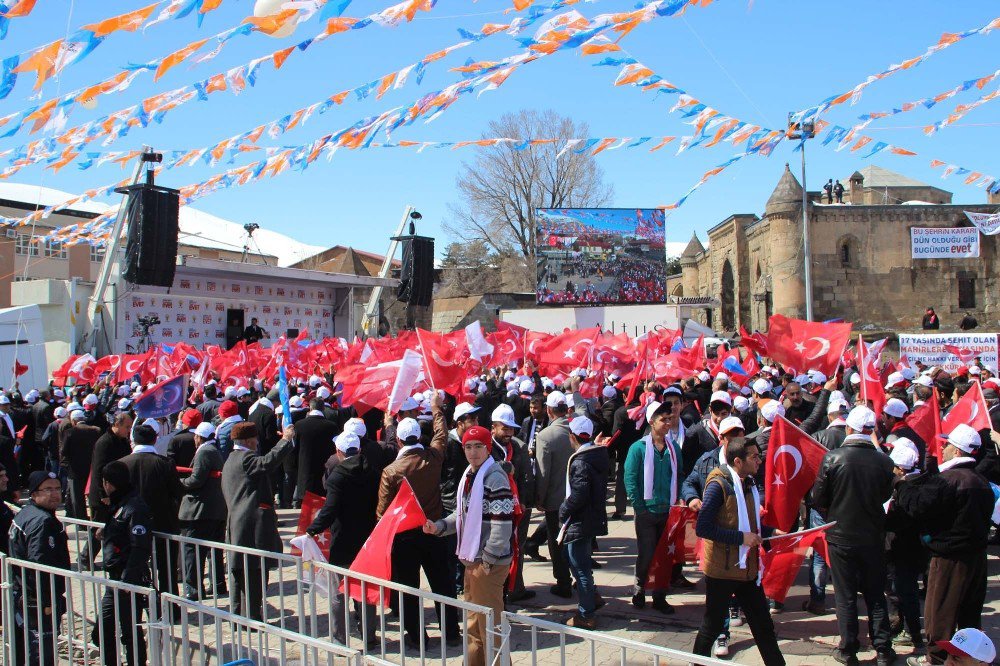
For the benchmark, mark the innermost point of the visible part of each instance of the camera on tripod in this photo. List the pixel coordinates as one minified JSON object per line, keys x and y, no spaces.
{"x":149,"y":321}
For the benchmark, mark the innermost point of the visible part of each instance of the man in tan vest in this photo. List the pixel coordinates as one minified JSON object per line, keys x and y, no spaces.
{"x":729,"y":522}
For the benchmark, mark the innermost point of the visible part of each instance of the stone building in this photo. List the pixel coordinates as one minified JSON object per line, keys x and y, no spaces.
{"x":862,"y":270}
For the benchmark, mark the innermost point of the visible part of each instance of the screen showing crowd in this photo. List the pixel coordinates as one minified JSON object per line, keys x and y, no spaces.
{"x":595,"y":256}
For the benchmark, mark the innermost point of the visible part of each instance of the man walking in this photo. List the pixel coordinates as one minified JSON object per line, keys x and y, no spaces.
{"x":202,"y":515}
{"x":853,"y":484}
{"x":74,"y":457}
{"x":552,"y":452}
{"x":729,"y":523}
{"x":314,"y":440}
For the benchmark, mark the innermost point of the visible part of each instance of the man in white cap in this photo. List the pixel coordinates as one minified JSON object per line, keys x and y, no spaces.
{"x":552,"y":452}
{"x":510,"y":449}
{"x":906,"y":556}
{"x":954,"y":509}
{"x":410,"y":409}
{"x":853,"y":484}
{"x":836,"y":430}
{"x":74,"y":456}
{"x":521,"y":402}
{"x":894,"y":427}
{"x":704,"y":435}
{"x":653,"y":482}
{"x":203,"y":515}
{"x":314,"y":440}
{"x":969,"y":647}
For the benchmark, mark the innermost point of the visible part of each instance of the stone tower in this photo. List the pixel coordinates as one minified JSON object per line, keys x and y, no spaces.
{"x":783,"y":212}
{"x":689,"y":266}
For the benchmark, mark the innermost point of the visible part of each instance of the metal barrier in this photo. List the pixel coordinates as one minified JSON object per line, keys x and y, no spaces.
{"x":55,"y":615}
{"x":226,"y":637}
{"x":597,"y":648}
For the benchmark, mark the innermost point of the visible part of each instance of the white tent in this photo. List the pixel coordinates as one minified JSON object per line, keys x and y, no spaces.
{"x":22,"y":340}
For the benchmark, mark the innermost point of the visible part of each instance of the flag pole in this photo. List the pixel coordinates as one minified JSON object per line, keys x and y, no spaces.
{"x":801,"y":532}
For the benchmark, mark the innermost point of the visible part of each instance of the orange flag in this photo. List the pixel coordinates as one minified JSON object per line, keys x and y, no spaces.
{"x":177,"y":57}
{"x":20,"y":8}
{"x":130,"y":22}
{"x":42,"y":62}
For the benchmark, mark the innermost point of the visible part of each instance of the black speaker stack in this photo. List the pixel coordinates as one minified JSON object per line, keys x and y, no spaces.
{"x":151,"y":240}
{"x":416,"y":277}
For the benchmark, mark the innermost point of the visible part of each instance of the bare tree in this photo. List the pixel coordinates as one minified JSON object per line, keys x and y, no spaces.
{"x":503,"y":186}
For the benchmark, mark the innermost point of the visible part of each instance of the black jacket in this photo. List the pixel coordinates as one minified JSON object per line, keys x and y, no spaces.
{"x":36,"y":535}
{"x":128,"y":540}
{"x":698,"y":439}
{"x":583,"y":511}
{"x":180,"y":448}
{"x":525,"y":432}
{"x":267,"y":428}
{"x":155,"y":480}
{"x":314,"y":438}
{"x":451,"y":472}
{"x":851,"y":488}
{"x":6,"y":519}
{"x":832,"y":436}
{"x":953,"y":509}
{"x":608,"y":411}
{"x":909,"y":433}
{"x":902,"y":533}
{"x":209,"y":409}
{"x":694,"y":484}
{"x":78,"y":449}
{"x":349,"y":511}
{"x":204,"y":499}
{"x":43,"y":413}
{"x":624,"y":432}
{"x":109,"y":447}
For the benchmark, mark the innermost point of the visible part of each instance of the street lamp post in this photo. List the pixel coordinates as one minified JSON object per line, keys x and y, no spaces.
{"x":802,"y":131}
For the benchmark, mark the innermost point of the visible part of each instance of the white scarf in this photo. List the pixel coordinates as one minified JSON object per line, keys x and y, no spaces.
{"x":470,"y":521}
{"x":262,"y":401}
{"x":649,"y":464}
{"x":742,"y":514}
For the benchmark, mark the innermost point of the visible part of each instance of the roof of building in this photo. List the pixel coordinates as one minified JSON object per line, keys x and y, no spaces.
{"x":336,"y":250}
{"x":787,"y":194}
{"x":876,"y":176}
{"x":197,"y":228}
{"x":694,"y":247}
{"x":349,"y":262}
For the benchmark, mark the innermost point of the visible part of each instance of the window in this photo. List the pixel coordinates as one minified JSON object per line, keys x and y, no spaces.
{"x":96,"y":253}
{"x":847,"y":251}
{"x":845,"y":254}
{"x":22,"y":278}
{"x":24,"y":246}
{"x":966,"y":290}
{"x":55,"y":250}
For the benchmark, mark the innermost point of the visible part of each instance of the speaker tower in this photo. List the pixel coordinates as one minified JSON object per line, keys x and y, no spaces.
{"x":151,"y":240}
{"x":416,"y":278}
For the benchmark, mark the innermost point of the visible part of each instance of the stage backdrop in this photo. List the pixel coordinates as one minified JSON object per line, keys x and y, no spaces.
{"x":592,"y":256}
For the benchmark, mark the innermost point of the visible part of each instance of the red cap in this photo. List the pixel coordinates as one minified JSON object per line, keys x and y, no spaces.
{"x":191,"y":418}
{"x":228,"y":408}
{"x":478,"y":434}
{"x":962,"y":371}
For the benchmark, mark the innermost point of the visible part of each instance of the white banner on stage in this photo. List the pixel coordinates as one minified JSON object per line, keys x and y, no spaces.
{"x":930,"y":350}
{"x":944,"y":243}
{"x":988,"y":223}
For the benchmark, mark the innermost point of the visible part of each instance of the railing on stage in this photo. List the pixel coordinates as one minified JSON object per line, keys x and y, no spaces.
{"x":600,"y":648}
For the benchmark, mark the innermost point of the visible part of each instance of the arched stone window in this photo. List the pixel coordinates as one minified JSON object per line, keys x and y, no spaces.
{"x":847,"y":251}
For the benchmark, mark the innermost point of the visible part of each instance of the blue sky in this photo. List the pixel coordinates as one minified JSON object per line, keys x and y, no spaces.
{"x":755,"y":61}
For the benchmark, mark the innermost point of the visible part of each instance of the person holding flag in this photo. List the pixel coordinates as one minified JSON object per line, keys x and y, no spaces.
{"x":729,"y":523}
{"x":852,"y":485}
{"x":484,"y":523}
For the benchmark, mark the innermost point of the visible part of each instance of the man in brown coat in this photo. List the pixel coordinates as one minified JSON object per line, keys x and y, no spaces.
{"x":75,"y":454}
{"x":413,"y":550}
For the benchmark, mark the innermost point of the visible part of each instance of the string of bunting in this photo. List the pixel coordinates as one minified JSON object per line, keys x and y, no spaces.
{"x":53,"y":114}
{"x":13,"y":9}
{"x":854,"y":94}
{"x":58,"y":152}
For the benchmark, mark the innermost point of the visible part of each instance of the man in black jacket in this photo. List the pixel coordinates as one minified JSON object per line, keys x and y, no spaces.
{"x":209,"y":407}
{"x":112,"y":445}
{"x":155,"y":480}
{"x":349,"y":514}
{"x":128,"y":546}
{"x":894,"y":426}
{"x":36,"y":535}
{"x":704,"y":435}
{"x":202,"y":515}
{"x":624,"y":433}
{"x":314,"y":435}
{"x":466,"y":415}
{"x":853,"y":483}
{"x":180,"y":448}
{"x":953,"y":508}
{"x":74,"y":456}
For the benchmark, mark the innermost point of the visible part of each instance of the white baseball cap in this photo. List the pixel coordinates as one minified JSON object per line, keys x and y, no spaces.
{"x":4,"y":400}
{"x":860,"y":418}
{"x":970,"y":643}
{"x":230,"y":392}
{"x":124,"y":404}
{"x":77,"y":415}
{"x":924,"y":380}
{"x":817,"y":377}
{"x":408,"y":429}
{"x":555,"y":399}
{"x":761,"y":386}
{"x":704,"y":376}
{"x":31,"y":396}
{"x":836,"y":406}
{"x":464,"y":409}
{"x":526,"y":386}
{"x":346,"y":441}
{"x":856,"y":378}
{"x":242,"y":391}
{"x":356,"y":426}
{"x":894,"y":379}
{"x":409,"y":404}
{"x":60,"y":412}
{"x":205,"y":430}
{"x":323,"y":393}
{"x":721,"y":396}
{"x":582,"y":427}
{"x":964,"y":438}
{"x":504,"y":414}
{"x":315,"y":380}
{"x":908,"y":374}
{"x":295,"y":401}
{"x":90,"y":400}
{"x":730,"y":423}
{"x":904,"y":454}
{"x":741,"y":404}
{"x":896,"y":408}
{"x":723,"y":376}
{"x":772,"y":409}
{"x":609,"y":392}
{"x":974,"y":370}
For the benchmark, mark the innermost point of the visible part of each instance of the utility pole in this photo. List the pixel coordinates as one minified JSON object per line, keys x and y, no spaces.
{"x":802,"y":130}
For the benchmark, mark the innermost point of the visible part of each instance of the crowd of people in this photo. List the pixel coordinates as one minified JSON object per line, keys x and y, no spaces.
{"x":518,"y":443}
{"x":635,"y":281}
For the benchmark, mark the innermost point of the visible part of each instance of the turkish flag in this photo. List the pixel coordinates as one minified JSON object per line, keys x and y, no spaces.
{"x":806,"y":345}
{"x":755,"y":343}
{"x":507,"y":347}
{"x":782,"y":562}
{"x":444,"y":360}
{"x":534,"y":342}
{"x":19,"y":369}
{"x":384,"y":386}
{"x":971,"y":410}
{"x":964,"y":354}
{"x":375,"y":557}
{"x":793,"y":460}
{"x":567,"y":351}
{"x":311,"y":504}
{"x":926,"y":422}
{"x":678,"y":543}
{"x":872,"y":388}
{"x":131,"y":365}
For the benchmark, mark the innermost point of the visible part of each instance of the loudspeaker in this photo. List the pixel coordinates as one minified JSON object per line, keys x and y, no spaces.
{"x":151,"y":242}
{"x":416,"y":278}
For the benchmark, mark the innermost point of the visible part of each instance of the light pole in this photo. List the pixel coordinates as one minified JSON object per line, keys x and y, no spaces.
{"x":802,"y":131}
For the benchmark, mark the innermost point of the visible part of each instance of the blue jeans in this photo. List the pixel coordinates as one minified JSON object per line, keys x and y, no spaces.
{"x":578,"y":554}
{"x":819,"y":573}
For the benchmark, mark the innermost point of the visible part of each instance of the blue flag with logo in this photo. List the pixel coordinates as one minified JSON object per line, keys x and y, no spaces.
{"x":166,"y":398}
{"x":286,"y":410}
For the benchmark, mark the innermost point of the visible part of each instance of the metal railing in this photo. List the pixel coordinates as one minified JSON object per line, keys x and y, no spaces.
{"x":598,"y":648}
{"x":53,"y":615}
